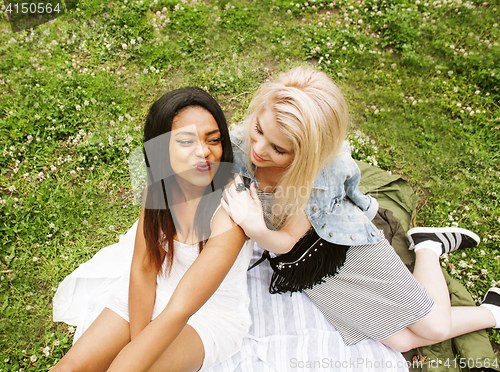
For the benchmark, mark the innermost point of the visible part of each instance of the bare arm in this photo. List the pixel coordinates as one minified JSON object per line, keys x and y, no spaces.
{"x":281,"y":241}
{"x":245,"y":209}
{"x":196,"y":286}
{"x":142,"y":287}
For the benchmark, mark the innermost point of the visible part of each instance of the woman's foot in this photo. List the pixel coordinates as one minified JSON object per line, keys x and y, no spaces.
{"x":442,"y":239}
{"x":492,"y":303}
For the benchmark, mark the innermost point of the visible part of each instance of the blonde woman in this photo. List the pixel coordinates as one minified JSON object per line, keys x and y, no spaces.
{"x":304,"y":207}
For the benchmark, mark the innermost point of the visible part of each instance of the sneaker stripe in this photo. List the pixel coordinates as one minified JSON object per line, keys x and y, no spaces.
{"x":459,"y":240}
{"x":451,"y":238}
{"x":446,"y":243}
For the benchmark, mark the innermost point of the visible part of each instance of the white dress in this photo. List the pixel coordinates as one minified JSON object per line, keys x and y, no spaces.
{"x":103,"y":281}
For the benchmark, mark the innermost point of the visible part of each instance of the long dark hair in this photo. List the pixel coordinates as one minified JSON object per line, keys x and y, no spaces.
{"x":159,"y":221}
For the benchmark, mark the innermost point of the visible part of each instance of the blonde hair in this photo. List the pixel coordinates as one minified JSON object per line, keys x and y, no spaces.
{"x":312,"y":113}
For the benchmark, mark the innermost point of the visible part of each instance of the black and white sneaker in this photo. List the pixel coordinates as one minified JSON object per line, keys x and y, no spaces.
{"x":451,"y":238}
{"x":492,"y":303}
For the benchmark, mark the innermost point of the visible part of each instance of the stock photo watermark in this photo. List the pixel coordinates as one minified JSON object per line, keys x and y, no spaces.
{"x":357,"y":363}
{"x":24,"y":14}
{"x":367,"y":364}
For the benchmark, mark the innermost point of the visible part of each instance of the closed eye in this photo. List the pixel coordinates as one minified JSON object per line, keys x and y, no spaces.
{"x":278,"y":151}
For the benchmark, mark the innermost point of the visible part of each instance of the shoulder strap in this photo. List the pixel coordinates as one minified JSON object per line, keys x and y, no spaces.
{"x":265,"y":256}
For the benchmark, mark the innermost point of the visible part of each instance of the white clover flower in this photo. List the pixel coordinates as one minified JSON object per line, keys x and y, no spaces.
{"x":128,"y":140}
{"x":28,"y":307}
{"x":33,"y":358}
{"x":46,"y":350}
{"x":124,"y":46}
{"x":71,"y":329}
{"x":78,"y":107}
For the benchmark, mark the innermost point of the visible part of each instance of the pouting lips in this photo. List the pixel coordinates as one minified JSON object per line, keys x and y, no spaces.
{"x":203,"y":166}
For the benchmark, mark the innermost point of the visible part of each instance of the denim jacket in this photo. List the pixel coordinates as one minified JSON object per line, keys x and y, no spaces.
{"x":337,"y":210}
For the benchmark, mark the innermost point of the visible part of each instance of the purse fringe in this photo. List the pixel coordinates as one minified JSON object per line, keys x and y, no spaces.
{"x":309,"y":262}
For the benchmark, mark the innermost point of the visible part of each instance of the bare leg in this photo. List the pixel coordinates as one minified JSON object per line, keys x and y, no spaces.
{"x":437,"y":324}
{"x":443,"y":321}
{"x":185,"y":354}
{"x":98,"y":346}
{"x":463,"y":319}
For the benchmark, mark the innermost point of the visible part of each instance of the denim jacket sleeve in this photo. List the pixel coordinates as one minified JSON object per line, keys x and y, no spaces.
{"x":337,"y":210}
{"x":366,"y":203}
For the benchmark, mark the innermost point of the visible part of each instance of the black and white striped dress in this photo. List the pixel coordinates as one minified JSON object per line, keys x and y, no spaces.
{"x":372,"y":296}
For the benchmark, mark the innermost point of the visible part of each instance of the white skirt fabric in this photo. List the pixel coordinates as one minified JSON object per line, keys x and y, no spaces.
{"x":289,"y":334}
{"x":103,"y":282}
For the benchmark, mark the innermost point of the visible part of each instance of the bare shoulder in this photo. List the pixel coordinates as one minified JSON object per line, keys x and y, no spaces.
{"x":222,"y":222}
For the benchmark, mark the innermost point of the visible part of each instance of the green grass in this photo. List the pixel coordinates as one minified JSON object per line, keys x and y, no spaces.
{"x":422,"y":77}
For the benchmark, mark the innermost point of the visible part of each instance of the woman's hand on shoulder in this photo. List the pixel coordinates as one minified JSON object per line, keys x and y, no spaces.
{"x":244,"y":207}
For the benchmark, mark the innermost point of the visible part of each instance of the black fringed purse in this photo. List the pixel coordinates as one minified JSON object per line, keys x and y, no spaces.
{"x":310,"y":260}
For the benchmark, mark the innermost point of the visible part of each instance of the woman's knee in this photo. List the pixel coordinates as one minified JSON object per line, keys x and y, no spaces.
{"x":433,"y":329}
{"x":401,"y":341}
{"x":64,"y":367}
